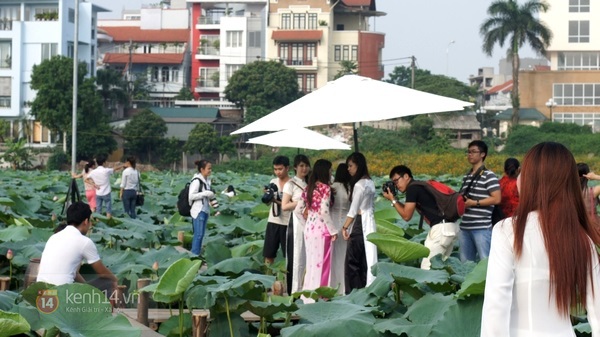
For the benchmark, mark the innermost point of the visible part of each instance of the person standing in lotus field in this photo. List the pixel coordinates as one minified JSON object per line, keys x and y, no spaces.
{"x":130,"y":181}
{"x":199,"y":195}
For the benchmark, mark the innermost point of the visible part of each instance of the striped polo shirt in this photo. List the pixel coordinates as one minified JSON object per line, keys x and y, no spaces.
{"x":479,"y":217}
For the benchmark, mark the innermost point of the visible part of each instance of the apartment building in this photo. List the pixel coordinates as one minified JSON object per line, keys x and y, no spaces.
{"x":315,"y":36}
{"x":570,"y":91}
{"x":32,"y":31}
{"x":225,"y":36}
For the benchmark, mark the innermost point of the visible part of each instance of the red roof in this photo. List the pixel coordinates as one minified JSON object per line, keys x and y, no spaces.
{"x":504,"y":88}
{"x":359,"y":3}
{"x":297,"y":35}
{"x":144,"y":58}
{"x":540,"y":67}
{"x":136,"y":34}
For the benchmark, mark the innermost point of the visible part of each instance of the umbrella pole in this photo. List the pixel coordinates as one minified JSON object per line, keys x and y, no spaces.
{"x":355,"y":135}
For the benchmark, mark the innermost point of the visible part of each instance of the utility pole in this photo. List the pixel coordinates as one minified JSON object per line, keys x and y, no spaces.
{"x":412,"y":71}
{"x":75,"y":87}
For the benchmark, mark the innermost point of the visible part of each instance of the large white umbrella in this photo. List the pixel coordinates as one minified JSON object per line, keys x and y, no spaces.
{"x":300,"y":138}
{"x":350,"y":99}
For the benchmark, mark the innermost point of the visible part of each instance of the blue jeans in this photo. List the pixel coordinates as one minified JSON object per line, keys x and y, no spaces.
{"x":199,"y":228}
{"x":129,"y":197}
{"x":474,"y":243}
{"x":101,"y":199}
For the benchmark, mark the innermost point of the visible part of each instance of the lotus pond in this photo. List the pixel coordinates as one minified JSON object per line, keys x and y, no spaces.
{"x":403,"y":301}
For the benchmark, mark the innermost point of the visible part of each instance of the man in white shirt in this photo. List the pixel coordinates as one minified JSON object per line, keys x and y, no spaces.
{"x":101,"y":177}
{"x":66,"y":249}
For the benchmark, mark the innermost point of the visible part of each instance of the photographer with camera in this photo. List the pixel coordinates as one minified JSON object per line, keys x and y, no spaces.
{"x":276,"y":232}
{"x":442,"y":235}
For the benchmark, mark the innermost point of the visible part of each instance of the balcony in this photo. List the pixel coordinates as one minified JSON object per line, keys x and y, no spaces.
{"x":301,"y":64}
{"x":207,"y":22}
{"x":207,"y":53}
{"x":6,"y":24}
{"x":207,"y":85}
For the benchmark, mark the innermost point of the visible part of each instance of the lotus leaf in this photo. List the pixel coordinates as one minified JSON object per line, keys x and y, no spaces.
{"x":386,"y":227}
{"x":267,"y":309}
{"x":402,"y":327}
{"x":398,"y":248}
{"x":14,"y":233}
{"x":12,"y":324}
{"x":216,"y":251}
{"x":234,"y":266}
{"x":461,"y":319}
{"x":170,"y":327}
{"x":176,"y":279}
{"x":248,"y":248}
{"x":474,"y":283}
{"x":332,"y":319}
{"x":7,"y":299}
{"x":321,"y":292}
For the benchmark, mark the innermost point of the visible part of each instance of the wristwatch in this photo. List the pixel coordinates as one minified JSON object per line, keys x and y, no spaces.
{"x":478,"y":205}
{"x":394,"y":202}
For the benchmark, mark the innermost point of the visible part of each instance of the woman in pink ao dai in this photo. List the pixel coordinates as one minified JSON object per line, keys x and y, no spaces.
{"x":319,"y":231}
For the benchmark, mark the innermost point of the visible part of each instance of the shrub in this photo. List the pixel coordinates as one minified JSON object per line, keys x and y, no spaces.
{"x":57,"y":160}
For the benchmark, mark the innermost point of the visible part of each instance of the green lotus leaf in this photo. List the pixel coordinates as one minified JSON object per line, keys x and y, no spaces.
{"x":398,"y":248}
{"x":170,"y":327}
{"x":461,"y":319}
{"x":14,"y":233}
{"x":176,"y":279}
{"x":233,"y":266}
{"x":12,"y":324}
{"x":247,"y":249}
{"x":321,"y":292}
{"x":387,"y":227}
{"x":267,"y":309}
{"x":474,"y":283}
{"x":402,"y":327}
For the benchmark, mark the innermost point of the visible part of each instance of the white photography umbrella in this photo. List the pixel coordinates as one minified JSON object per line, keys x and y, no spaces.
{"x":299,"y":138}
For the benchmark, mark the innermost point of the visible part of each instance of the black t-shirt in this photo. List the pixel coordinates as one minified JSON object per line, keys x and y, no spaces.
{"x":425,"y":203}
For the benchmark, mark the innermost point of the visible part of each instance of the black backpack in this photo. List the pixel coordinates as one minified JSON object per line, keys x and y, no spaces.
{"x":183,"y":204}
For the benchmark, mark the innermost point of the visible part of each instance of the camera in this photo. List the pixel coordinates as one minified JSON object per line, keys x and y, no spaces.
{"x":214,"y":203}
{"x":270,"y":194}
{"x":390,"y":187}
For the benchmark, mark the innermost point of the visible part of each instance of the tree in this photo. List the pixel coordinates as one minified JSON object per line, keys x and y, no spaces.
{"x":519,"y":25}
{"x":268,"y":84}
{"x":185,"y":94}
{"x":53,"y":103}
{"x":144,"y":134}
{"x":348,"y":67}
{"x":202,"y":139}
{"x":170,"y":153}
{"x":225,"y":146}
{"x":112,"y":87}
{"x":434,"y":84}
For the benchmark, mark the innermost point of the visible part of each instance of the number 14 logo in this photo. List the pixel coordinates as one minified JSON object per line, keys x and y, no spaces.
{"x":47,"y":301}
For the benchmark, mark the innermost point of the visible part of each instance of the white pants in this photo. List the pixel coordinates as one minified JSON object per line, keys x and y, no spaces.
{"x":440,"y":240}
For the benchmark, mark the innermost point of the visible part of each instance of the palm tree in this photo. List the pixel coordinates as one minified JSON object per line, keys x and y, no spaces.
{"x":519,"y":25}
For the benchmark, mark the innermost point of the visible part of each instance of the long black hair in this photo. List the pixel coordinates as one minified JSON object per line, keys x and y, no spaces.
{"x":362,"y":171}
{"x":319,"y":174}
{"x":342,"y":176}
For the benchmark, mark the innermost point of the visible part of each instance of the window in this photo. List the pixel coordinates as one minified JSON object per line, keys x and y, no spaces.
{"x":577,"y":94}
{"x":579,"y":118}
{"x":346,"y":53}
{"x":297,"y":53}
{"x":312,"y":21}
{"x":284,"y":51}
{"x":175,"y":75}
{"x":254,"y":39}
{"x":337,"y":53}
{"x":354,"y":56}
{"x":71,"y":15}
{"x":286,"y":21}
{"x":234,"y":38}
{"x":299,"y":21}
{"x":49,"y":50}
{"x":207,"y":78}
{"x":154,"y":74}
{"x":70,"y":49}
{"x":5,"y":92}
{"x":231,"y":68}
{"x":5,"y":54}
{"x":579,"y":31}
{"x":579,"y":61}
{"x":164,"y":74}
{"x":579,"y":6}
{"x":311,"y":51}
{"x":311,"y":82}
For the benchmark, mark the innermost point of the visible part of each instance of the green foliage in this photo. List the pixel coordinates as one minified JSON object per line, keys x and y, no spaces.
{"x":578,"y":139}
{"x":145,"y":133}
{"x":111,"y":87}
{"x":434,"y":84}
{"x":348,"y":67}
{"x":421,"y":128}
{"x":202,"y":139}
{"x":53,"y":80}
{"x":57,"y":160}
{"x":255,"y":112}
{"x":170,"y":152}
{"x":268,"y":84}
{"x":13,"y":324}
{"x":185,"y":94}
{"x":18,"y":154}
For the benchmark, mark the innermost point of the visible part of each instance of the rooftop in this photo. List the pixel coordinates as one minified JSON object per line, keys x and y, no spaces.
{"x":136,"y":34}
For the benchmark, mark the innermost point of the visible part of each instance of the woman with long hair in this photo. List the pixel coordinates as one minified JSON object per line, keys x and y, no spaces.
{"x":543,"y":262}
{"x":361,"y":254}
{"x":341,"y":205}
{"x":319,"y":231}
{"x":130,"y":182}
{"x":88,"y":183}
{"x":292,"y":193}
{"x":590,"y":194}
{"x":508,"y":187}
{"x":199,"y":198}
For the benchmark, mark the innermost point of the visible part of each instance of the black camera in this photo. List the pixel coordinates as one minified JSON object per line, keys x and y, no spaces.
{"x":390,"y":187}
{"x":214,"y":203}
{"x":270,"y":194}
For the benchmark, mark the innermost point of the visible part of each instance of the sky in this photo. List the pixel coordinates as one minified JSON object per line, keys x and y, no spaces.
{"x":421,"y":28}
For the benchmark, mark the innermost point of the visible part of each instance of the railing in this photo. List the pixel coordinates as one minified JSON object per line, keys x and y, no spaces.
{"x":207,"y":83}
{"x":6,"y":24}
{"x":208,"y":51}
{"x":5,"y":102}
{"x":304,"y":62}
{"x":206,"y":20}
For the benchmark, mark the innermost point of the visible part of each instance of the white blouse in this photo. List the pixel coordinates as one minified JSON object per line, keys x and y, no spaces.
{"x":363,"y":197}
{"x":517,"y":301}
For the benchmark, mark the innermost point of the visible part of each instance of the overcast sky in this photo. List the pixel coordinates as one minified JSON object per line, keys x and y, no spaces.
{"x":420,"y":28}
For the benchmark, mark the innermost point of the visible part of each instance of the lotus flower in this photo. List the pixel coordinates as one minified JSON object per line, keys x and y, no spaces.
{"x":155,"y":266}
{"x":9,"y":254}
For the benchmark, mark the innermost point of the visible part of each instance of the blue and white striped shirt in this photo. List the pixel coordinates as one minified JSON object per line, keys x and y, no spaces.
{"x":479,"y":217}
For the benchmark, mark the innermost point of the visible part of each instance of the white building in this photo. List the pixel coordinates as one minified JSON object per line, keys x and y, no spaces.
{"x":32,"y":31}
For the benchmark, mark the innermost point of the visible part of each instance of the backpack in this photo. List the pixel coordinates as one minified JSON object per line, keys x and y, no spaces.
{"x":451,"y":205}
{"x":183,"y":204}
